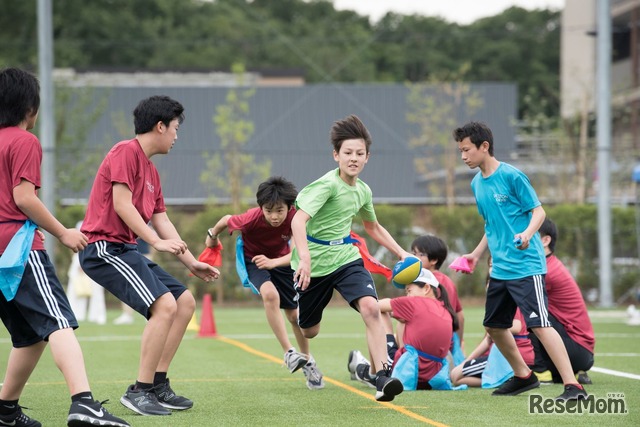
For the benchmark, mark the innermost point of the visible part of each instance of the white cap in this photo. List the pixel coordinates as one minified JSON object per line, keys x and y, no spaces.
{"x":427,"y":278}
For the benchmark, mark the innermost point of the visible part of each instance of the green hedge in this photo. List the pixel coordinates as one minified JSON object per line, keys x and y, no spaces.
{"x":461,"y":227}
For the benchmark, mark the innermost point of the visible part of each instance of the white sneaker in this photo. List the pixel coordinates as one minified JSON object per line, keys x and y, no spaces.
{"x":314,"y":377}
{"x":294,"y":360}
{"x":355,"y":358}
{"x":123,"y":319}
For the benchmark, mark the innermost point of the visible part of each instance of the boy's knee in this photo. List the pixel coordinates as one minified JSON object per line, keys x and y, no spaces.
{"x":310,"y":332}
{"x":165,"y":306}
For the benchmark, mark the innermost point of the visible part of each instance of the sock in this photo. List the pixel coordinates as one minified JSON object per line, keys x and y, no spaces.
{"x":142,"y":386}
{"x":159,"y":378}
{"x":526,"y":377}
{"x":82,"y":395}
{"x":8,"y":406}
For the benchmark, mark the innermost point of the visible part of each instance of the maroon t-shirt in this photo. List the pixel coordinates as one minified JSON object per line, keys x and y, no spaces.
{"x":452,"y":290}
{"x":20,"y":158}
{"x":428,"y":328}
{"x":260,"y":238}
{"x":126,"y":164}
{"x":567,"y":305}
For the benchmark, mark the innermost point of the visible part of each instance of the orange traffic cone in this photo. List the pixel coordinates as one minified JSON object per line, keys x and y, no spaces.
{"x":207,"y":324}
{"x":193,"y":324}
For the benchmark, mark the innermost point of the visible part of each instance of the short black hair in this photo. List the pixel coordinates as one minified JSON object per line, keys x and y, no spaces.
{"x":433,"y":247}
{"x":351,"y":127}
{"x":477,"y":132}
{"x":548,"y":228}
{"x":19,"y":96}
{"x":275,"y":190}
{"x":156,"y":109}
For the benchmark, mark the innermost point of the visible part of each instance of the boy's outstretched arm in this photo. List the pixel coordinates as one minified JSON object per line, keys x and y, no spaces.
{"x":166,"y":230}
{"x":24,"y":195}
{"x":299,"y":231}
{"x":382,"y":236}
{"x":220,"y":226}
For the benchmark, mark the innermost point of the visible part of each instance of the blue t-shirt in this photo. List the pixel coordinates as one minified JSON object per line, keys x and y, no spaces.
{"x":505,"y":200}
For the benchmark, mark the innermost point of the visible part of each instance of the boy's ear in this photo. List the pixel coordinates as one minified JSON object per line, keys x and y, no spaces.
{"x":546,"y":240}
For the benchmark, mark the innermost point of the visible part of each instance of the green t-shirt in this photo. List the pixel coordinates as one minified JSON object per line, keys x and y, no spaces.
{"x":332,"y":203}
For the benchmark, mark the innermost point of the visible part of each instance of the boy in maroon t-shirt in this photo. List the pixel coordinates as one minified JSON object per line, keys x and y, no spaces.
{"x":567,"y":313}
{"x":125,"y":197}
{"x":266,"y":232}
{"x":39,"y":311}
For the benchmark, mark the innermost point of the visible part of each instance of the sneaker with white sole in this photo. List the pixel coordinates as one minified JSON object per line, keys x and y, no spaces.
{"x":387,"y":387}
{"x":355,"y":358}
{"x":294,"y":360}
{"x":144,"y":402}
{"x":92,"y":413}
{"x":18,"y":419}
{"x":168,"y":399}
{"x":313,"y":375}
{"x":363,"y":375}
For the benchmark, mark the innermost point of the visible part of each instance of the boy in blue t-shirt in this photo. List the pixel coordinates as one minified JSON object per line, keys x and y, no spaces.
{"x":512,"y":215}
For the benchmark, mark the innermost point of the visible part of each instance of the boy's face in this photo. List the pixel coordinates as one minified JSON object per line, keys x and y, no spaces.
{"x":471,"y":155}
{"x":351,"y":159}
{"x":424,"y":259}
{"x":276,"y":214}
{"x":168,"y":135}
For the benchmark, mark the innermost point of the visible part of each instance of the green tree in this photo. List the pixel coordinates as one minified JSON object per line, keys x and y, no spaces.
{"x":434,"y":107}
{"x":232,"y":170}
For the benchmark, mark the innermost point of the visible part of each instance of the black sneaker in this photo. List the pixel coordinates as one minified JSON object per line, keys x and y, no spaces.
{"x":144,"y":402}
{"x":515,"y":385}
{"x":583,"y":378}
{"x":92,"y":413}
{"x":18,"y":419}
{"x":168,"y":399}
{"x":363,"y":375}
{"x":573,"y":392}
{"x":387,"y":387}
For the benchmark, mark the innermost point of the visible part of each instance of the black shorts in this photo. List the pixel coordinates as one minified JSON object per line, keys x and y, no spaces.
{"x":40,"y":306}
{"x":581,"y":359}
{"x":133,"y":278}
{"x":282,"y":279}
{"x":353,"y":282}
{"x":475,"y":367}
{"x":504,"y":296}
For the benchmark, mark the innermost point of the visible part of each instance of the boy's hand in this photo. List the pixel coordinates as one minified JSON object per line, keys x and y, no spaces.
{"x":73,"y":239}
{"x":174,"y":246}
{"x":302,"y":276}
{"x":263,"y":263}
{"x":472,"y":260}
{"x":204,"y":271}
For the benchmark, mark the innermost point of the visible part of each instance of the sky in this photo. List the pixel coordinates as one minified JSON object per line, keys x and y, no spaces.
{"x":460,"y":11}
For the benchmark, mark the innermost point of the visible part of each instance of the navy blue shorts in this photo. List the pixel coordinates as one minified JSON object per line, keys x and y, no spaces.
{"x":133,"y":278}
{"x":504,"y":296}
{"x":40,"y":306}
{"x":352,"y":280}
{"x":475,"y":367}
{"x":282,"y":279}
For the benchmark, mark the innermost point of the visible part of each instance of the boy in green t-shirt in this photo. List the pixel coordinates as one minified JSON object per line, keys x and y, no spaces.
{"x":321,"y":228}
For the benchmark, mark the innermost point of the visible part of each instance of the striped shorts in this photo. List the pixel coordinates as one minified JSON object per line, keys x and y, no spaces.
{"x":133,"y":278}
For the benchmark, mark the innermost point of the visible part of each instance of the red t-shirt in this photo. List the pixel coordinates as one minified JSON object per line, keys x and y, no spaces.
{"x":567,"y":305}
{"x":259,"y":237}
{"x":524,"y":344}
{"x":126,"y":164}
{"x":20,"y":158}
{"x":452,"y":290}
{"x":428,"y":327}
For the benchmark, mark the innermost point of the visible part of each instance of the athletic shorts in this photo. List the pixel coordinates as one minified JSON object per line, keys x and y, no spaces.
{"x":40,"y":306}
{"x":504,"y":296}
{"x":581,"y":359}
{"x":475,"y":367}
{"x":282,"y":279}
{"x":353,"y":282}
{"x":133,"y":278}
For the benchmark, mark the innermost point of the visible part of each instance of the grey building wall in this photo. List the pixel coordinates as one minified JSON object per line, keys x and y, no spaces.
{"x":292,"y":127}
